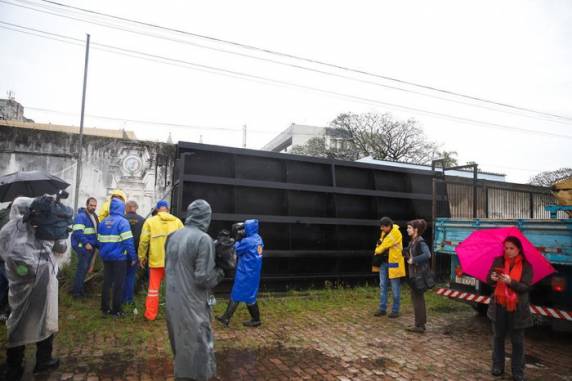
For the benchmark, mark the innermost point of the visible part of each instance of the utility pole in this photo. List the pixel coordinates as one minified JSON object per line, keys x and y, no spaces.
{"x":244,"y":136}
{"x":80,"y":145}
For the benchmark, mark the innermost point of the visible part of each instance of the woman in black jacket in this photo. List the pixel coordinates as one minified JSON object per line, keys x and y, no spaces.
{"x":509,"y":309}
{"x":417,"y":255}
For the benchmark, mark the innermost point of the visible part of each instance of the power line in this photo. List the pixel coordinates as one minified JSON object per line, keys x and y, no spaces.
{"x":256,"y":78}
{"x":150,"y":122}
{"x":396,"y":88}
{"x":310,"y":60}
{"x":241,"y":130}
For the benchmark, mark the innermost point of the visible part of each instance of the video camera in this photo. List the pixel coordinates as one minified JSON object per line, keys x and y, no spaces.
{"x":62,"y":195}
{"x":225,"y":255}
{"x":238,"y":231}
{"x":51,"y":218}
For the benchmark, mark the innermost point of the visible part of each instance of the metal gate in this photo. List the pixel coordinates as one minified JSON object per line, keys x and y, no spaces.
{"x":461,"y":198}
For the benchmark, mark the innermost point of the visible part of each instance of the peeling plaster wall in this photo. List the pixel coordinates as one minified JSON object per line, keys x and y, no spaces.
{"x":141,"y":169}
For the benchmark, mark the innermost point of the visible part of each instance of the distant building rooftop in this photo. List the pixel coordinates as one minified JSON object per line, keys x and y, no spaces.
{"x":300,"y":134}
{"x":422,"y":167}
{"x":101,"y":132}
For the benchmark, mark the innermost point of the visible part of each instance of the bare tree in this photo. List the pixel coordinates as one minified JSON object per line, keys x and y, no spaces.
{"x":381,"y":137}
{"x":317,"y":147}
{"x":448,"y":157}
{"x":548,"y":178}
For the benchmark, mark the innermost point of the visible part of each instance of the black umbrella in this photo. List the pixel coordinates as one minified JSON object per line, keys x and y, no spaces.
{"x":29,"y":184}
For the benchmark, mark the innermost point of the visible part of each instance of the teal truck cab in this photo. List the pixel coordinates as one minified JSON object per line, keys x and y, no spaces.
{"x":551,"y":298}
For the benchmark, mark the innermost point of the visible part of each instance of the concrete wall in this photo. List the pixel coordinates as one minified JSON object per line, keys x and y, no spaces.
{"x":142,"y":169}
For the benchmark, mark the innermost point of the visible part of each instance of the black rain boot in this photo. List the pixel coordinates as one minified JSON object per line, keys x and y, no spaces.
{"x":255,"y":314}
{"x":44,"y":359}
{"x":14,"y":358}
{"x":230,"y":308}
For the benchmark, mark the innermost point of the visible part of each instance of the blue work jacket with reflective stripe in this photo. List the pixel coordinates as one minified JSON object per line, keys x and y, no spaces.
{"x":114,"y":235}
{"x":83,"y":231}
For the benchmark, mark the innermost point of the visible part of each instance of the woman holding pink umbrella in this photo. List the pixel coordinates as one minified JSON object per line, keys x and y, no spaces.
{"x":509,"y":309}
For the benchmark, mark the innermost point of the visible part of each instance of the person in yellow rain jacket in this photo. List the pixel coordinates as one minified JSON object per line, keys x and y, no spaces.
{"x":390,"y":264}
{"x":152,"y":241}
{"x":104,"y":211}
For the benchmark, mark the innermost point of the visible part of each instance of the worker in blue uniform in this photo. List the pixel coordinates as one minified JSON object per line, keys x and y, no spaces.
{"x":247,"y":278}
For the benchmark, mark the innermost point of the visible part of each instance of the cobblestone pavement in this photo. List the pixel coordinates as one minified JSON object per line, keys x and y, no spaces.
{"x":339,"y":344}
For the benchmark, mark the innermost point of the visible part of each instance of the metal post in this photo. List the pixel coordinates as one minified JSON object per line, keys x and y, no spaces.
{"x":80,"y":145}
{"x":181,"y":185}
{"x":475,"y":178}
{"x":433,"y":220}
{"x":244,"y":136}
{"x":486,"y":191}
{"x":531,"y":204}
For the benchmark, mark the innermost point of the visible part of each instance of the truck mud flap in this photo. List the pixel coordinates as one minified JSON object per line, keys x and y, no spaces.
{"x":545,"y":312}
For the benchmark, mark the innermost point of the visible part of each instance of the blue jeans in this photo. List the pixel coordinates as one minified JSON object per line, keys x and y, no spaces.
{"x":83,"y":262}
{"x":395,"y":288}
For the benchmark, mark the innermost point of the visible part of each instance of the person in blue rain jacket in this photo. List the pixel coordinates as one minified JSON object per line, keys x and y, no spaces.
{"x":247,"y":276}
{"x":117,"y":251}
{"x":84,"y":242}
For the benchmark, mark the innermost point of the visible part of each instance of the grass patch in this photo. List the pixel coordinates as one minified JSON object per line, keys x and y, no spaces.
{"x":83,"y":325}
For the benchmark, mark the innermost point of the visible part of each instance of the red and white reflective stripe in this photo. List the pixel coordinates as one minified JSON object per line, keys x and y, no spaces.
{"x":537,"y":310}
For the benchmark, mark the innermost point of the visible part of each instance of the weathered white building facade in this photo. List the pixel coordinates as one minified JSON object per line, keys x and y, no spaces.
{"x":110,"y":160}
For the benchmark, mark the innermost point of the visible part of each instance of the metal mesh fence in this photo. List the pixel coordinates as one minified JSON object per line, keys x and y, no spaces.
{"x":454,"y":199}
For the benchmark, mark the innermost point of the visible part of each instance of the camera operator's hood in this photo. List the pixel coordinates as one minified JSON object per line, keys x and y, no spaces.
{"x":251,"y":227}
{"x":199,"y":214}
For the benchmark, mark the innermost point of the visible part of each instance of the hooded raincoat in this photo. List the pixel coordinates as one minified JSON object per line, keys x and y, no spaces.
{"x":31,"y":270}
{"x":153,"y":237}
{"x":249,"y":254}
{"x":190,"y":274}
{"x":115,"y":237}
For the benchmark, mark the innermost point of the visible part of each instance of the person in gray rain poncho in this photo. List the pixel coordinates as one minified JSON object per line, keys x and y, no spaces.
{"x":190,"y":273}
{"x":31,"y":270}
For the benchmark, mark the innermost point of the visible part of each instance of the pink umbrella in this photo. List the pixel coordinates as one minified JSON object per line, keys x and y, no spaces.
{"x":477,"y":253}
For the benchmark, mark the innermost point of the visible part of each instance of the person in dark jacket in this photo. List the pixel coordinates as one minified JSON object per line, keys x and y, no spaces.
{"x":509,"y":309}
{"x":117,"y":250}
{"x":136,"y":223}
{"x":417,"y":255}
{"x":84,"y":242}
{"x":247,"y":278}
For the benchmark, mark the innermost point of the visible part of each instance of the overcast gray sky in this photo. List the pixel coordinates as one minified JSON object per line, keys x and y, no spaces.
{"x":515,"y":52}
